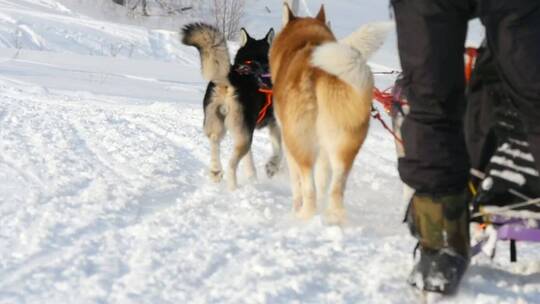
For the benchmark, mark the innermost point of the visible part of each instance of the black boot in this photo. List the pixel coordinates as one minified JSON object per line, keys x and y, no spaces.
{"x":441,"y":226}
{"x":438,"y":271}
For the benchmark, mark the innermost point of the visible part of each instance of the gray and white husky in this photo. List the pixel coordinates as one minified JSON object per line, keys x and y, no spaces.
{"x":234,"y":98}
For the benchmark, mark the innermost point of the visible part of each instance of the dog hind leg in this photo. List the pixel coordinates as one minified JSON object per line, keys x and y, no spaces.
{"x":322,"y":175}
{"x":296,"y":186}
{"x":309,"y":198}
{"x":301,"y":163}
{"x":241,"y":148}
{"x":241,"y":139}
{"x":215,"y":131}
{"x":216,"y":171}
{"x":341,"y":161}
{"x":335,"y":213}
{"x":249,"y":164}
{"x":274,"y":163}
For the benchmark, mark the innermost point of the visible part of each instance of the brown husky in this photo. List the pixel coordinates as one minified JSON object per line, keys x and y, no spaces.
{"x":322,"y":99}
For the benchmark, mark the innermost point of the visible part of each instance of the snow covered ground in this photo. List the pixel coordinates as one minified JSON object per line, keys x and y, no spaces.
{"x":104,"y":196}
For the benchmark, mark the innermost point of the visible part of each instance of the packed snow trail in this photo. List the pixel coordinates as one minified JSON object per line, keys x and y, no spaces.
{"x":104,"y":196}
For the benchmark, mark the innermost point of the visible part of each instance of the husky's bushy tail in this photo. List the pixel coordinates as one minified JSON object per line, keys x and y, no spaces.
{"x":347,"y":59}
{"x":212,"y":46}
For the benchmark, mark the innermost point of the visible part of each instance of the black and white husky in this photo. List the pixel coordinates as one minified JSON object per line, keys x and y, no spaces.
{"x":234,"y":99}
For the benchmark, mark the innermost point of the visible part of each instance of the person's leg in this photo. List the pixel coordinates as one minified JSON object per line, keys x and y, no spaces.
{"x":431,"y":38}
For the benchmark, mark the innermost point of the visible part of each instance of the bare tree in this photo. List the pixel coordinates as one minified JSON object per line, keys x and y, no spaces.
{"x":176,"y":7}
{"x":227,"y":15}
{"x":143,"y":4}
{"x":160,"y":7}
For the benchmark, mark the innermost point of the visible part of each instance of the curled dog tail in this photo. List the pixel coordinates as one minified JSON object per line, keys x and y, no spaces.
{"x":347,"y":59}
{"x":369,"y":38}
{"x":212,"y":47}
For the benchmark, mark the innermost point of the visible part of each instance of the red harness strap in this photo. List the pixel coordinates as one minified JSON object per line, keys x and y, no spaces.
{"x":472,"y":53}
{"x":264,"y":110}
{"x":384,"y":97}
{"x":377,"y":115}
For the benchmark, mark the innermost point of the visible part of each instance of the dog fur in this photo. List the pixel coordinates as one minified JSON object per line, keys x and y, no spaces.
{"x":322,"y":100}
{"x":232,"y":101}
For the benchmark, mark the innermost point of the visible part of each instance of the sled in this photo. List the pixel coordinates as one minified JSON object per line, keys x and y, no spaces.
{"x":499,"y":211}
{"x":508,"y":223}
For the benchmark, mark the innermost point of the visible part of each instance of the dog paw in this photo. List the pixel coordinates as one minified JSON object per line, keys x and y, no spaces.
{"x":306,"y":213}
{"x":335,"y":216}
{"x":231,"y":186}
{"x":216,"y":175}
{"x":272,"y":167}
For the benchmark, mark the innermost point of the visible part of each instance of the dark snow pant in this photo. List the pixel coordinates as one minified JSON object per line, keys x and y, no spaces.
{"x":431,"y":38}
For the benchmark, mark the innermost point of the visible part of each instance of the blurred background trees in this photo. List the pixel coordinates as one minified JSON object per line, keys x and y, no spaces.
{"x":224,"y":14}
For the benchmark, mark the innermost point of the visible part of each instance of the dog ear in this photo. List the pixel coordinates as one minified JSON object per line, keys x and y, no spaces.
{"x":244,"y":37}
{"x":270,"y":36}
{"x":321,"y":16}
{"x":288,"y":15}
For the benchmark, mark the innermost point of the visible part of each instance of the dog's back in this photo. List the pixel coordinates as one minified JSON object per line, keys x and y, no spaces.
{"x":314,"y":99}
{"x":323,"y":94}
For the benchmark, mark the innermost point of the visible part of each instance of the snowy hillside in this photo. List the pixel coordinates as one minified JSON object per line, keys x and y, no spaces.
{"x":104,"y":196}
{"x":47,"y":25}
